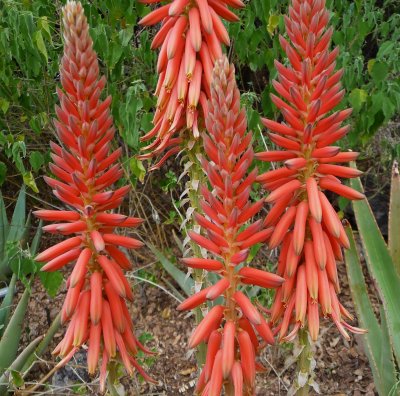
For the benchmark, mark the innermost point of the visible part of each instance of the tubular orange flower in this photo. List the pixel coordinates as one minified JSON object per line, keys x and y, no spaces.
{"x":190,"y":41}
{"x":305,"y":224}
{"x":95,"y":304}
{"x":230,"y":328}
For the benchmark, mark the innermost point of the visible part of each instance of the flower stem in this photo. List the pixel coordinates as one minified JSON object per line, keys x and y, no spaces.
{"x":112,"y":378}
{"x":196,"y":177}
{"x":304,"y":363}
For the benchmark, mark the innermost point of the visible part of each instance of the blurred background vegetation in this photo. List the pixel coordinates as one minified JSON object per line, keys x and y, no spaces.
{"x":367,"y":32}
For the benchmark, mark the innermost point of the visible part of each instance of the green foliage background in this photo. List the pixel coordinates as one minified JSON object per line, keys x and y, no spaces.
{"x":367,"y":31}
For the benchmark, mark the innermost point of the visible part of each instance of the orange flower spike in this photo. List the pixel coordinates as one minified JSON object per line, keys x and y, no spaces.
{"x":306,"y":226}
{"x":86,"y":169}
{"x":190,"y":40}
{"x":228,"y":156}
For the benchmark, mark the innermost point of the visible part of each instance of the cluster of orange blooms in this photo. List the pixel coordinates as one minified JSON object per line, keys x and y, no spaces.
{"x":197,"y":92}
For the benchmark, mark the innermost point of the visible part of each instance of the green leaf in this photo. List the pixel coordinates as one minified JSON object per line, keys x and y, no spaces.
{"x":394,"y":217}
{"x":129,"y":114}
{"x":29,"y":180}
{"x":377,"y":348}
{"x":36,"y":239}
{"x":380,"y":265}
{"x":22,"y":266}
{"x":51,"y":281}
{"x":38,"y":122}
{"x":43,"y":25}
{"x":17,"y":378}
{"x":11,"y":337}
{"x":137,"y":168}
{"x":6,"y":304}
{"x":125,"y":35}
{"x":379,"y":71}
{"x":4,"y":105}
{"x":38,"y":40}
{"x":357,"y":98}
{"x":370,"y":65}
{"x":342,"y":203}
{"x":116,"y":51}
{"x":388,"y":108}
{"x":385,"y":49}
{"x":3,"y":172}
{"x":22,"y":358}
{"x":185,"y":283}
{"x":273,"y":22}
{"x":17,"y":225}
{"x":36,"y":160}
{"x":4,"y":226}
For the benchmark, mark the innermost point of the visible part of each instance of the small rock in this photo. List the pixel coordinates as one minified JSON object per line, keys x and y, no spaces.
{"x":67,"y":376}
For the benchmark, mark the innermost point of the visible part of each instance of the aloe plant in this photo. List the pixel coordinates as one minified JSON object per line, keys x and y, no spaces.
{"x":16,"y":258}
{"x":382,"y":343}
{"x":13,"y":233}
{"x":15,"y":252}
{"x":23,"y":363}
{"x":394,"y":217}
{"x":12,"y":334}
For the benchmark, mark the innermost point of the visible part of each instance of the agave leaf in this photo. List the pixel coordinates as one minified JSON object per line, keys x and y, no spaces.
{"x":17,"y":225}
{"x":5,"y":306}
{"x":394,"y":217}
{"x":25,"y":234}
{"x":377,"y":347}
{"x":11,"y":337}
{"x":3,"y":225}
{"x":380,"y":265}
{"x":185,"y":283}
{"x":36,"y":239}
